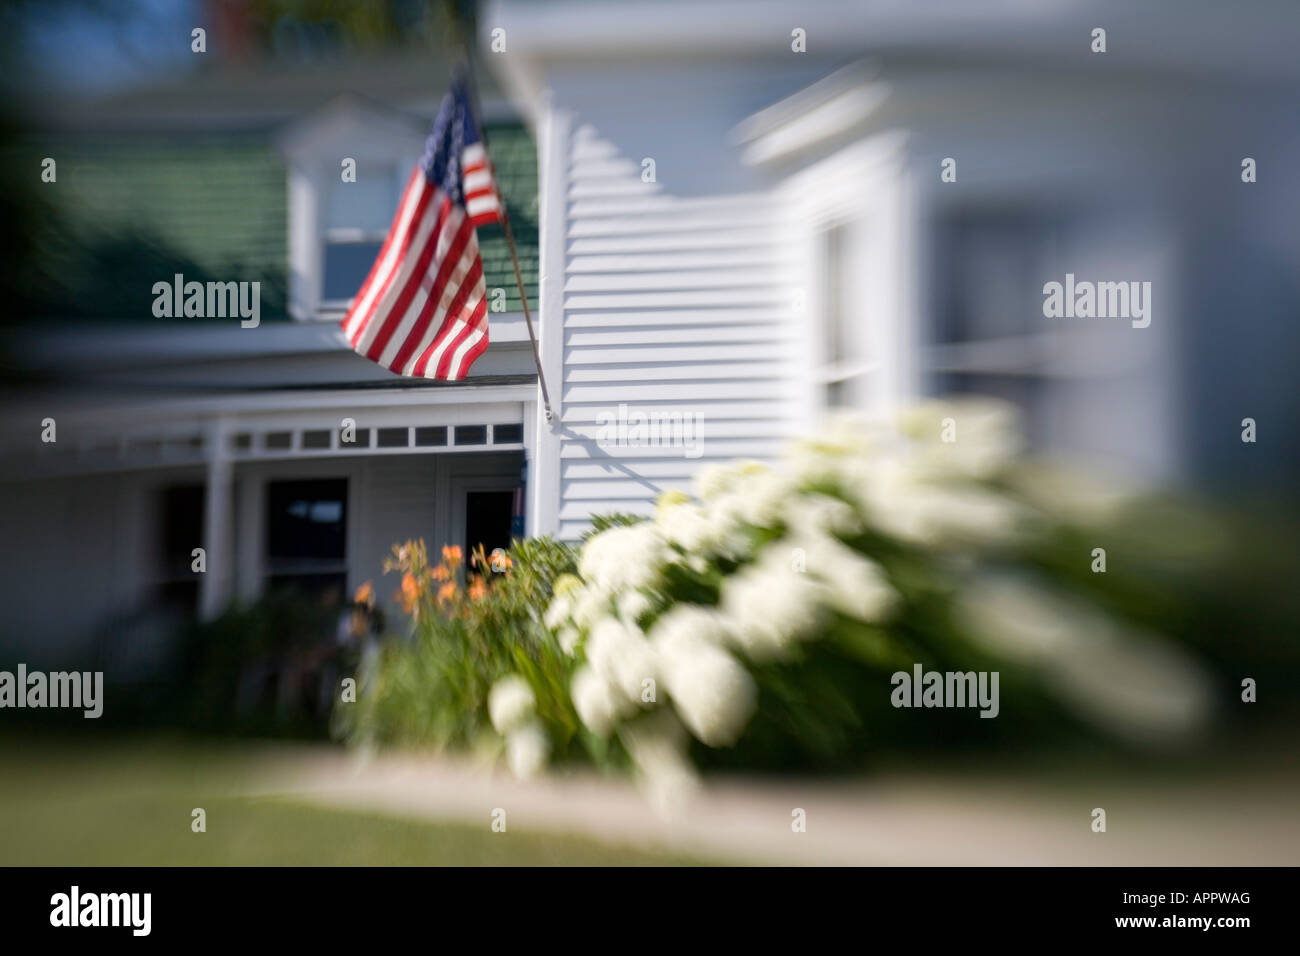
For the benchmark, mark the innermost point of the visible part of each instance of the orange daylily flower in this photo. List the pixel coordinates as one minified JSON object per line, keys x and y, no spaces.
{"x":410,"y":590}
{"x":365,"y":595}
{"x":451,"y":553}
{"x":441,"y":573}
{"x":446,"y":592}
{"x":477,"y":589}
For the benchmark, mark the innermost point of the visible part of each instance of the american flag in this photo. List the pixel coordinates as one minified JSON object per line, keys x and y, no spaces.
{"x":422,"y":310}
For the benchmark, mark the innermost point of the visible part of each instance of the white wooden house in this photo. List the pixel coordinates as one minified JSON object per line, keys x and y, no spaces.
{"x":743,"y":215}
{"x":720,"y":233}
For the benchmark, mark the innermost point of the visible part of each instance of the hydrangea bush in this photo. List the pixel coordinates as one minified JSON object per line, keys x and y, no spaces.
{"x":756,"y":623}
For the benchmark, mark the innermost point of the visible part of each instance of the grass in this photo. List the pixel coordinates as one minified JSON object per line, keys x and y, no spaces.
{"x":129,"y":804}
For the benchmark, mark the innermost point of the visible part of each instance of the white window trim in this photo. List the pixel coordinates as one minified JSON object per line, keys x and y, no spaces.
{"x":862,"y":182}
{"x":314,"y":152}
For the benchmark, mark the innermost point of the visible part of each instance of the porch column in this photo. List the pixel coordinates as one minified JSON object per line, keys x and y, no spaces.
{"x":216,"y":584}
{"x":541,"y":509}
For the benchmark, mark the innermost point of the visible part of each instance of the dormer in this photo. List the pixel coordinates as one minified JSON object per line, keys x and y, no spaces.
{"x":348,"y":163}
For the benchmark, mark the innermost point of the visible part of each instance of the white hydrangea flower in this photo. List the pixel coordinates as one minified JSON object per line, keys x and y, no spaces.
{"x":711,"y":692}
{"x":820,"y":514}
{"x":622,"y":656}
{"x":713,"y":480}
{"x":632,"y":605}
{"x":700,"y":531}
{"x":599,"y":704}
{"x":510,"y":703}
{"x":569,"y":638}
{"x":903,"y":500}
{"x":761,"y":493}
{"x":857,"y":586}
{"x":589,"y":607}
{"x":986,"y":431}
{"x":1135,"y":685}
{"x":527,"y":750}
{"x":623,"y":557}
{"x":686,"y":525}
{"x":558,"y":612}
{"x":966,"y":515}
{"x":1076,"y":495}
{"x":770,"y":604}
{"x":1012,"y":616}
{"x":657,"y":746}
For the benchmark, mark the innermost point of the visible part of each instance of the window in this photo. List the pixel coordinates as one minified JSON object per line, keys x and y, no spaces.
{"x":507,"y":434}
{"x":836,"y":310}
{"x":180,"y":521}
{"x":426,"y":436}
{"x":307,"y":535}
{"x":847,"y":344}
{"x":471,"y":434}
{"x":356,"y":220}
{"x":987,"y":334}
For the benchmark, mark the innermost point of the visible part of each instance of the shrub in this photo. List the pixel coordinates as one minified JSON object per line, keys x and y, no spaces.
{"x":470,"y":629}
{"x":758,"y":623}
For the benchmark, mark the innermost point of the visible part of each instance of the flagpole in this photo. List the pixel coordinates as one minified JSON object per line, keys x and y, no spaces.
{"x":471,"y":82}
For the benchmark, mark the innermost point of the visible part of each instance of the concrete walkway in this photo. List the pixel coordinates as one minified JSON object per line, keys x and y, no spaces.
{"x":888,"y":819}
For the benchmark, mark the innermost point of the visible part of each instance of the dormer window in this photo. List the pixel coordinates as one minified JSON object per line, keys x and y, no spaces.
{"x":336,"y":225}
{"x":356,"y":223}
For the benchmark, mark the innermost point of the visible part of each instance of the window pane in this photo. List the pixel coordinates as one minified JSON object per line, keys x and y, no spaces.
{"x":306,"y":522}
{"x":992,"y":268}
{"x":507,"y":434}
{"x":346,"y":266}
{"x":182,"y":528}
{"x":368,"y":203}
{"x":471,"y":434}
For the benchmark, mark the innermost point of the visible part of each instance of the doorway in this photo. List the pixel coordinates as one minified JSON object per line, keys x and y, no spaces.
{"x":488,"y":517}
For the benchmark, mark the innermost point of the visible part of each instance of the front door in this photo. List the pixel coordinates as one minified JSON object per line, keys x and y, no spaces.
{"x":487,"y":521}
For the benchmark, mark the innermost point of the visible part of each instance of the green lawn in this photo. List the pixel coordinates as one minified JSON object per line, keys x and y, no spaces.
{"x":130,"y":805}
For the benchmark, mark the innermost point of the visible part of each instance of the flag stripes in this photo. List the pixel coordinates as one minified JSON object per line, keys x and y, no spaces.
{"x":422,"y":310}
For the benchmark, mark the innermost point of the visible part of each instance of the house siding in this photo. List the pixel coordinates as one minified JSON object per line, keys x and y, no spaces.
{"x":670,"y":305}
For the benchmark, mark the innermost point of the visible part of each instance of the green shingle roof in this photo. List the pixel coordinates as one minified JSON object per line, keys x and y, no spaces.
{"x":130,"y":209}
{"x":515,"y":158}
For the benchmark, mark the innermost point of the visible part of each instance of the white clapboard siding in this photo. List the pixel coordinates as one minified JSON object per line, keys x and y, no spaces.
{"x":709,"y":427}
{"x":655,"y":280}
{"x":724,"y":448}
{"x":677,"y":310}
{"x":722,"y":239}
{"x":399,"y":503}
{"x":766,"y":256}
{"x":689,"y":371}
{"x":721,"y":411}
{"x":712,"y":321}
{"x":650,"y":350}
{"x":641,"y":469}
{"x":616,"y":490}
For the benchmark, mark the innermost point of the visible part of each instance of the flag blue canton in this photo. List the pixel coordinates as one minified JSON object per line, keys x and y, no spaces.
{"x":453,"y":130}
